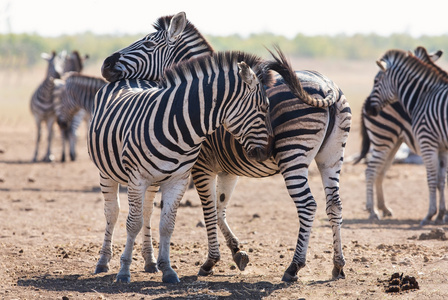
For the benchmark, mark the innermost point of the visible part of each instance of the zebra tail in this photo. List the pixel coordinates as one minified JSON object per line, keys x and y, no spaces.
{"x":365,"y":144}
{"x":282,"y":66}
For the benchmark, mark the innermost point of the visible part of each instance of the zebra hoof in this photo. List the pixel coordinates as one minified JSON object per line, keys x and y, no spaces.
{"x":425,"y":222}
{"x":101,"y":269}
{"x":170,"y":277}
{"x":374,"y":217}
{"x":241,"y":259}
{"x":151,"y":268}
{"x":289,"y":278}
{"x":387,"y":213}
{"x":203,"y":272}
{"x":338,"y":273}
{"x":123,"y":278}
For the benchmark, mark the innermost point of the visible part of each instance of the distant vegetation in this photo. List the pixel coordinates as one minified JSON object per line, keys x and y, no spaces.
{"x":23,"y":50}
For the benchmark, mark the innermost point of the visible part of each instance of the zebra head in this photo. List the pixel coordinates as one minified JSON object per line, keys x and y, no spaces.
{"x":55,"y":65}
{"x":248,"y":121}
{"x":383,"y":91}
{"x":175,"y":39}
{"x":74,"y":62}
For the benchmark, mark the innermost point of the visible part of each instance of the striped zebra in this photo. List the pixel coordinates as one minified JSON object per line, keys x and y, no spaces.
{"x":422,"y":88}
{"x":383,"y":135}
{"x":76,"y":99}
{"x":302,"y":133}
{"x":151,"y":138}
{"x":43,"y":100}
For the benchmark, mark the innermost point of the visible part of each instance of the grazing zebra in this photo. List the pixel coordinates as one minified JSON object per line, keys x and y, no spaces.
{"x":383,"y":135}
{"x":422,"y":88}
{"x":42,"y":102}
{"x":77,"y":95}
{"x":322,"y":138}
{"x":150,"y":138}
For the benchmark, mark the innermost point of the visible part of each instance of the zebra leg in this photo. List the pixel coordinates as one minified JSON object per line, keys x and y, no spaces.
{"x":205,"y":182}
{"x":172,"y":193}
{"x":50,"y":121}
{"x":226,"y":185}
{"x":441,"y":177}
{"x":300,"y":192}
{"x":430,"y":158}
{"x":330,"y":179}
{"x":147,"y":248}
{"x":375,"y":172}
{"x":64,"y":139}
{"x":72,"y":142}
{"x":109,"y":188}
{"x":134,"y":223}
{"x":39,"y":132}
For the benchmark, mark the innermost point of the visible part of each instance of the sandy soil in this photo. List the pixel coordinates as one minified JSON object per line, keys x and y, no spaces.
{"x":51,"y":230}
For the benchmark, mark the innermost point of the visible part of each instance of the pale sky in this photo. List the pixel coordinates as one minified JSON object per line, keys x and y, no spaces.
{"x":288,"y":18}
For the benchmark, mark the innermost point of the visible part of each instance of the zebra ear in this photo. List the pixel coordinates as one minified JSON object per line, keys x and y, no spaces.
{"x":435,"y":55}
{"x":382,"y":64}
{"x":247,"y":75}
{"x":46,"y":56}
{"x":177,"y":26}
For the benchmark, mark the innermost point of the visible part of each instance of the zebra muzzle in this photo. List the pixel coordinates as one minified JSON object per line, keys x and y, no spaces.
{"x":259,"y":153}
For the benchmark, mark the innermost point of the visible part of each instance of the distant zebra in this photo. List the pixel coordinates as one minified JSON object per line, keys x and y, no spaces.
{"x":383,"y":135}
{"x":150,"y":138}
{"x":422,"y":88}
{"x":43,"y":100}
{"x":77,"y":94}
{"x":302,"y":133}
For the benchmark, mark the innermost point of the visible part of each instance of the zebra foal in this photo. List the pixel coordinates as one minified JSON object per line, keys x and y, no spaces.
{"x":326,"y":124}
{"x":150,"y":138}
{"x":422,"y":88}
{"x":383,"y":134}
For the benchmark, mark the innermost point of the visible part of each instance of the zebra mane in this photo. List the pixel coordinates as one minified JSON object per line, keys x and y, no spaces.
{"x":224,"y":60}
{"x":425,"y":59}
{"x":163,"y":23}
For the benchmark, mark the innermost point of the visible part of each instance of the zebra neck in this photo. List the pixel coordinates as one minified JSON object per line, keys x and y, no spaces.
{"x":413,"y":89}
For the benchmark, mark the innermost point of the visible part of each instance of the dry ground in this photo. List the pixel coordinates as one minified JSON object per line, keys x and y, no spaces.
{"x":51,"y":230}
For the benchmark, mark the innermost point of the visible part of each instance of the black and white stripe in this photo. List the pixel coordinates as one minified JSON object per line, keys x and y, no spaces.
{"x":295,"y":148}
{"x":382,"y":136}
{"x":422,"y":89}
{"x":42,"y":102}
{"x":77,"y":96}
{"x":47,"y":95}
{"x":149,"y":138}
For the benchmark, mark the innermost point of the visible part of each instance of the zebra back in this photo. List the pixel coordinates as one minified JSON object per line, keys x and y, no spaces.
{"x":78,"y":93}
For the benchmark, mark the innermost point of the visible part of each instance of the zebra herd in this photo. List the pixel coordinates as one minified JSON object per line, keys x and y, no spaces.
{"x":157,"y":119}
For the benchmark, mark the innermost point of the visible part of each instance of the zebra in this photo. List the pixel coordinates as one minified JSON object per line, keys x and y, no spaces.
{"x":383,"y":134}
{"x":421,"y":87}
{"x":42,"y":102}
{"x":76,"y":99}
{"x":323,"y":137}
{"x":47,"y":94}
{"x":150,"y":138}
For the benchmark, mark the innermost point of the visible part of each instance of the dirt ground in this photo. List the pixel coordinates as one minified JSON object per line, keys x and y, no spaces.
{"x":52,"y":225}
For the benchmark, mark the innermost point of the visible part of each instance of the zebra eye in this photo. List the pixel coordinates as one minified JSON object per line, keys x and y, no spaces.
{"x":148,"y":44}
